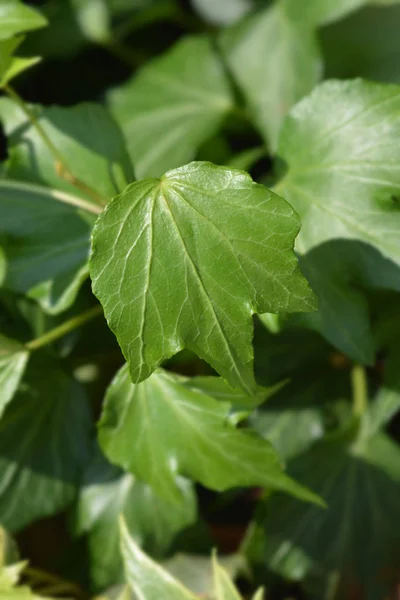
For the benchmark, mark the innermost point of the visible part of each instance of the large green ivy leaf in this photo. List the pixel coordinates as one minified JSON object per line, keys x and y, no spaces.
{"x":46,"y":247}
{"x":45,"y":437}
{"x":13,"y":359}
{"x":343,"y":180}
{"x":106,"y":494}
{"x":358,"y":534}
{"x":285,"y":66}
{"x":185,"y":261}
{"x":16,"y":17}
{"x":160,"y":427}
{"x":340,"y":144}
{"x":89,"y":141}
{"x":172,"y":106}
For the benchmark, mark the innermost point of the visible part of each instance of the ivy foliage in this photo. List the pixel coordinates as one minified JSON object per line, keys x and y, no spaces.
{"x":200,"y":299}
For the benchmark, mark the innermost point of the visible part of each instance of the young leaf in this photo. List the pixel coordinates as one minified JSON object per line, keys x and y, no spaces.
{"x":13,"y":359}
{"x":172,"y":106}
{"x":90,"y":143}
{"x":40,"y":460}
{"x":341,"y":147}
{"x":360,"y":481}
{"x":47,"y":247}
{"x":285,"y":67}
{"x":186,"y":260}
{"x":147,"y":578}
{"x":16,"y":17}
{"x":159,"y":428}
{"x":107,"y":493}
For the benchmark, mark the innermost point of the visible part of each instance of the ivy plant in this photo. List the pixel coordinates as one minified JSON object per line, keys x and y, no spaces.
{"x":199,"y":300}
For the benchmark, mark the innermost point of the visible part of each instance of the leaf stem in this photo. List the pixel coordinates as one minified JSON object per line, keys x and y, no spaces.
{"x":55,"y":194}
{"x":64,"y":328}
{"x":360,"y":389}
{"x":60,"y":165}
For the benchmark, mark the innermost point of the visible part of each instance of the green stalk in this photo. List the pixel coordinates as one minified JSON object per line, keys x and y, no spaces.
{"x":64,"y":328}
{"x":360,"y":389}
{"x":60,"y":166}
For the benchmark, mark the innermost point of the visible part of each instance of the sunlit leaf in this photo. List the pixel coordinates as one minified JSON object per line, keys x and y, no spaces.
{"x":186,"y":260}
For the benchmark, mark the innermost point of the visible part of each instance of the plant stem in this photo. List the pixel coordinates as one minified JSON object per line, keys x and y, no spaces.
{"x":55,"y":194}
{"x":60,"y":166}
{"x":64,"y":328}
{"x":360,"y":389}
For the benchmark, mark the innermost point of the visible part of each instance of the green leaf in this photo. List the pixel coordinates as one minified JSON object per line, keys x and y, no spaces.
{"x":17,"y":66}
{"x":91,"y":145}
{"x":223,"y":584}
{"x":341,"y":273}
{"x":16,"y":17}
{"x":8,"y":549}
{"x":222,"y":12}
{"x":94,"y":18}
{"x":360,"y":482}
{"x":41,"y":462}
{"x":286,"y":65}
{"x":321,"y":12}
{"x":145,"y":577}
{"x":185,"y":261}
{"x":172,"y":106}
{"x":107,"y":493}
{"x":13,"y":359}
{"x":47,"y":247}
{"x":340,"y":143}
{"x":159,"y":428}
{"x":195,"y":571}
{"x":348,"y":51}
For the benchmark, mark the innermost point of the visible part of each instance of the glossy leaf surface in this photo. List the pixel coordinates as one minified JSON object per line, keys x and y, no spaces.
{"x":159,"y":428}
{"x":186,"y":260}
{"x":172,"y":106}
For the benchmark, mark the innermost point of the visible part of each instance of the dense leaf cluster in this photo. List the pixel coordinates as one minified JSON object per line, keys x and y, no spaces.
{"x":200,"y":300}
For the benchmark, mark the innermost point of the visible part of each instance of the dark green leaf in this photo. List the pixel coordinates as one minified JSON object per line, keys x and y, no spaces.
{"x":16,"y":17}
{"x":186,"y":260}
{"x":357,"y":535}
{"x":348,"y":51}
{"x":13,"y":359}
{"x":285,"y":66}
{"x":160,"y":427}
{"x":44,"y":445}
{"x":172,"y":106}
{"x":46,"y":247}
{"x":108,"y":493}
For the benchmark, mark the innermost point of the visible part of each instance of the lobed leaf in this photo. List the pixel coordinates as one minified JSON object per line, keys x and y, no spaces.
{"x":161,"y":428}
{"x":186,"y":260}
